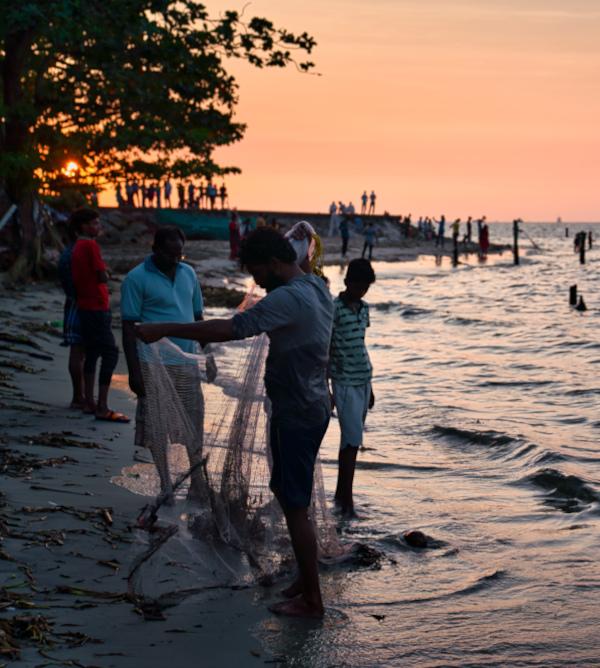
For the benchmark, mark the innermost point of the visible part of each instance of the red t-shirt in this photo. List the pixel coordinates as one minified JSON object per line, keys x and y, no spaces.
{"x":86,"y":262}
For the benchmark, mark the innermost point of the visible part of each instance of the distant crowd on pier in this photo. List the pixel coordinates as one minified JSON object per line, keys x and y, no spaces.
{"x":344,"y":219}
{"x":184,"y":195}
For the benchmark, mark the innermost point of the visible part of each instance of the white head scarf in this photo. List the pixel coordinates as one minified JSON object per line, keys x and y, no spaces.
{"x":301,"y":237}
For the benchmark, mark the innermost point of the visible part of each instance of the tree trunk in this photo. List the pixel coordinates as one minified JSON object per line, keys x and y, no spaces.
{"x":15,"y":143}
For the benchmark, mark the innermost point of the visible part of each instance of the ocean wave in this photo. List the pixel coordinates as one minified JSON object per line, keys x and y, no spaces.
{"x":549,"y":457}
{"x":480,"y":583}
{"x":564,"y":492}
{"x":583,"y":392}
{"x":516,"y":383}
{"x":492,"y":438}
{"x":463,"y":321}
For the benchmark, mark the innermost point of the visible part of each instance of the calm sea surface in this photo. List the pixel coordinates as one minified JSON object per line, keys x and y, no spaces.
{"x":485,"y":436}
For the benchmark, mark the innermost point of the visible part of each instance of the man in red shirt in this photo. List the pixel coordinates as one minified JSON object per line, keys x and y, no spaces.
{"x":90,"y":280}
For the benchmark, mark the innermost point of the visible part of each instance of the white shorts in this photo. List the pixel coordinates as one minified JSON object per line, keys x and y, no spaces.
{"x":351,"y":404}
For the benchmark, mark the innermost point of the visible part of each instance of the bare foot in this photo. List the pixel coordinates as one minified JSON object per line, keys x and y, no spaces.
{"x":295,"y":589}
{"x":78,"y":405}
{"x":298,"y":607}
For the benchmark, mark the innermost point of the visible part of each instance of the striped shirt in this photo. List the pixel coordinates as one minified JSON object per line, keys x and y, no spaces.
{"x":349,"y":362}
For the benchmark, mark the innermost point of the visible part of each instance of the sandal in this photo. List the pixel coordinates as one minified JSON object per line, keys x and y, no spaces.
{"x":113,"y":416}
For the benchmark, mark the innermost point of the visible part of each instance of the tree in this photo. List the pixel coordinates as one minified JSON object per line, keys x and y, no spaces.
{"x":123,"y":87}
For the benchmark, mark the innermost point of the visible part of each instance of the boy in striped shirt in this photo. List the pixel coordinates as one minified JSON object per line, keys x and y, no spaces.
{"x":350,"y":371}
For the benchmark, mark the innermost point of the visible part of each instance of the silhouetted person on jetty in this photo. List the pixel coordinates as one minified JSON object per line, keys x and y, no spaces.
{"x":297,"y":315}
{"x":168,"y":190}
{"x":441,"y":232}
{"x":350,"y":371}
{"x":480,"y":223}
{"x":469,"y":233}
{"x":372,"y":200}
{"x":136,"y":194}
{"x":223,"y":195}
{"x":181,"y":195}
{"x":150,"y":195}
{"x":212,"y":194}
{"x":364,"y":198}
{"x":119,"y":195}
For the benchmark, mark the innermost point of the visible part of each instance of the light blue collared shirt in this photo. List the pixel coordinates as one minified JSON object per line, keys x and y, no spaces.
{"x":148,"y":295}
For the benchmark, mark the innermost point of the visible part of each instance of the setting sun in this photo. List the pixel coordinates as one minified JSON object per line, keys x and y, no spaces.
{"x":71,"y":169}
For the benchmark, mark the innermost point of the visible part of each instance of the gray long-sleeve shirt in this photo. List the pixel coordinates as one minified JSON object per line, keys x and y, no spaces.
{"x":297,"y":318}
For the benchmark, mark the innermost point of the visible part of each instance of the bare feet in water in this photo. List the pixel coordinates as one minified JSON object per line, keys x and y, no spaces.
{"x":297,"y":607}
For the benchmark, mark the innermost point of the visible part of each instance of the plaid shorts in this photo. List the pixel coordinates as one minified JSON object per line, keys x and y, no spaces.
{"x":71,"y":324}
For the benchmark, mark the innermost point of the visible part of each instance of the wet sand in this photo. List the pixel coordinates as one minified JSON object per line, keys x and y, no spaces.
{"x":68,"y":536}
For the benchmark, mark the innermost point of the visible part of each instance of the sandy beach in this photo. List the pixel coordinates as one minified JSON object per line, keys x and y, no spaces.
{"x":69,"y":536}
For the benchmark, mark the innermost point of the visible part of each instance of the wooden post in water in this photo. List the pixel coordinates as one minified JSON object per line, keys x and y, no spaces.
{"x":516,"y":240}
{"x":582,"y":248}
{"x":566,"y":232}
{"x":573,"y":295}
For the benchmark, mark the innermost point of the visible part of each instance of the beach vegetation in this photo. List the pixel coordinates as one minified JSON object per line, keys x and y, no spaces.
{"x":122,"y":89}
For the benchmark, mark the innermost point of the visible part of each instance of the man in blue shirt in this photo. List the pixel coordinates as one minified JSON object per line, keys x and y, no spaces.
{"x":163,"y":289}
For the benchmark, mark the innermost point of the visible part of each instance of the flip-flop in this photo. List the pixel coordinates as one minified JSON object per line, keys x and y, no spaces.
{"x":113,"y":416}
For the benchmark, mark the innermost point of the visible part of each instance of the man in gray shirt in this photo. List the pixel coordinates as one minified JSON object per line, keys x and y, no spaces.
{"x":297,"y":316}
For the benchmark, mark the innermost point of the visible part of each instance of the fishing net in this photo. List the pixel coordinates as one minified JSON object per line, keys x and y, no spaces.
{"x":227,"y":464}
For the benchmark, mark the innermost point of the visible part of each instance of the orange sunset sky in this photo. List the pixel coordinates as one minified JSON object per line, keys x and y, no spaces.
{"x":464,"y":107}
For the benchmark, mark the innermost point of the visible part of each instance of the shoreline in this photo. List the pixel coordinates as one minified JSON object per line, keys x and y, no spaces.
{"x":68,"y":536}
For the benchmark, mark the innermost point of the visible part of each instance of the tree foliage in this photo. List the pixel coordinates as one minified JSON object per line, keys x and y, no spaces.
{"x":136,"y":87}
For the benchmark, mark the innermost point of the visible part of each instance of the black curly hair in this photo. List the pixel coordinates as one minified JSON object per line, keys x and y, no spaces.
{"x":360,"y":271}
{"x":263,"y":245}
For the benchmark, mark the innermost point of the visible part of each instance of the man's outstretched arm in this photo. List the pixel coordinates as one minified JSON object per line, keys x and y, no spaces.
{"x":204,"y":331}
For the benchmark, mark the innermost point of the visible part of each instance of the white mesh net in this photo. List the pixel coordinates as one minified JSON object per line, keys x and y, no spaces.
{"x":227,"y":468}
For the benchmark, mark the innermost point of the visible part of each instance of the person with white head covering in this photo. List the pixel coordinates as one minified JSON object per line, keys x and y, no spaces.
{"x":300,"y":237}
{"x":307,"y":244}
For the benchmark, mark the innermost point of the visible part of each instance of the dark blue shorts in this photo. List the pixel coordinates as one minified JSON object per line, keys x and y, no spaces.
{"x":294,"y":451}
{"x":96,"y":329}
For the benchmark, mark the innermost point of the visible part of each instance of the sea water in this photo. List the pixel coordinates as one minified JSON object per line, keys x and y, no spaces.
{"x":484,"y":435}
